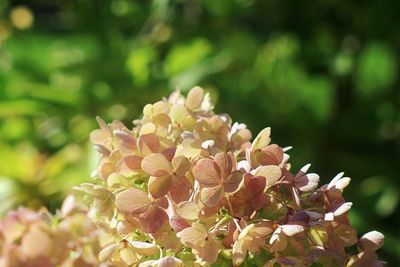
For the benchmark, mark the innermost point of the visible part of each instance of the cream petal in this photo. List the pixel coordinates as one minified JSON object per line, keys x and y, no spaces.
{"x":188,"y":210}
{"x":160,"y":186}
{"x":262,"y":140}
{"x":211,"y":196}
{"x":292,"y":229}
{"x":156,"y":164}
{"x":132,"y":201}
{"x":271,"y":173}
{"x":193,"y":236}
{"x":195,"y":98}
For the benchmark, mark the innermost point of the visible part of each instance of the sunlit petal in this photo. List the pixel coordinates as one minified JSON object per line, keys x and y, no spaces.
{"x":132,"y":201}
{"x":211,"y":196}
{"x":188,"y":210}
{"x":262,"y":140}
{"x":206,"y":172}
{"x":160,"y":186}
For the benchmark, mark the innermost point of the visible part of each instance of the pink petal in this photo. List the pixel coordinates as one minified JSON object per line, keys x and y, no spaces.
{"x":162,"y":202}
{"x":153,"y":220}
{"x":169,"y":262}
{"x":181,"y":165}
{"x":232,"y":183}
{"x":101,"y":137}
{"x":178,"y":223}
{"x":102,"y":150}
{"x":193,"y":236}
{"x":132,"y":201}
{"x":180,"y":189}
{"x":156,"y":164}
{"x":207,"y":173}
{"x":128,"y":140}
{"x":36,"y":243}
{"x":169,"y":153}
{"x":276,"y":150}
{"x":148,"y":144}
{"x":211,"y":196}
{"x":256,"y":185}
{"x":208,"y":252}
{"x":129,"y":165}
{"x":224,"y":162}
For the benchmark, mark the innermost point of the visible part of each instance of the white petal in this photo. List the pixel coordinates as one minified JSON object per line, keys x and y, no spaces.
{"x":292,"y":229}
{"x":345,"y":207}
{"x":305,"y":168}
{"x":335,"y":179}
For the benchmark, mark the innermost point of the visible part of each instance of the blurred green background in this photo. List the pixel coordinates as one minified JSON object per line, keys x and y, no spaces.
{"x":324,"y":75}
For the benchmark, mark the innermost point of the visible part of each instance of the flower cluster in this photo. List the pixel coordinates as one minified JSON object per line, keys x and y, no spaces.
{"x":38,"y":239}
{"x":188,"y":187}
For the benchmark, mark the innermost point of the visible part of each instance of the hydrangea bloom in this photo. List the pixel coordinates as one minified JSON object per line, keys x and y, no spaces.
{"x":192,"y":187}
{"x":38,"y":239}
{"x":188,"y":187}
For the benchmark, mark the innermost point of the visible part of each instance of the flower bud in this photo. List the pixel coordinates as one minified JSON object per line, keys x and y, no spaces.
{"x":371,"y":241}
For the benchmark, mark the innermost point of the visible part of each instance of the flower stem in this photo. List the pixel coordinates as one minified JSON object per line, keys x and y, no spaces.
{"x":237,"y":225}
{"x":229,"y":204}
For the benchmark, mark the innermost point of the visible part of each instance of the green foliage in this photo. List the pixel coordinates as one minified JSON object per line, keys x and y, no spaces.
{"x":324,"y":76}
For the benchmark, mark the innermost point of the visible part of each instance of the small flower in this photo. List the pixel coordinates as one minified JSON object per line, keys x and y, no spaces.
{"x":303,"y":181}
{"x":214,"y":128}
{"x":151,"y":214}
{"x":190,"y":148}
{"x":252,"y":238}
{"x":338,"y":182}
{"x":250,"y":197}
{"x":198,"y":101}
{"x":340,"y":236}
{"x":127,"y":251}
{"x":281,"y":235}
{"x":217,"y":177}
{"x":262,"y":153}
{"x":239,"y":137}
{"x":104,"y":136}
{"x":371,"y":241}
{"x":167,"y":177}
{"x":203,"y":244}
{"x":102,"y":200}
